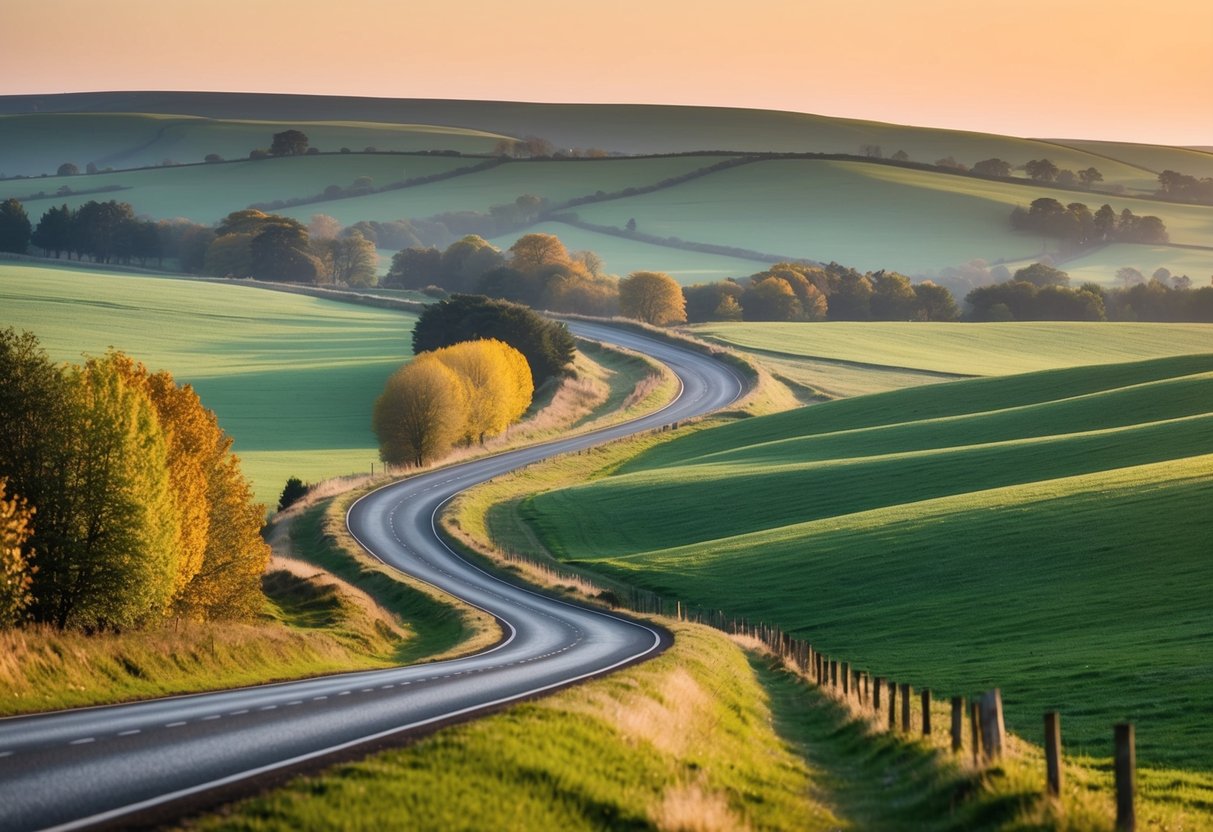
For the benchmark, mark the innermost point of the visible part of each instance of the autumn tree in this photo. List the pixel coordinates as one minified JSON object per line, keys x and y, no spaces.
{"x":547,"y":345}
{"x":770,"y":299}
{"x":533,"y":251}
{"x":323,"y":227}
{"x":652,"y":297}
{"x":893,"y":297}
{"x":497,"y":385}
{"x":421,"y":413}
{"x":934,"y":302}
{"x":16,"y":571}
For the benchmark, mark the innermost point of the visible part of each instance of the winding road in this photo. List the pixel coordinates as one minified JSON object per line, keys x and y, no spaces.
{"x":103,"y":766}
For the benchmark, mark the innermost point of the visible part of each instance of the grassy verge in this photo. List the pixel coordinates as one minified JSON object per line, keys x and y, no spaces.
{"x":682,"y":742}
{"x":312,"y":625}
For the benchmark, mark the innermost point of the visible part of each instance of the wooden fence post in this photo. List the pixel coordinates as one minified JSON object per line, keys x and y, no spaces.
{"x":993,"y":730}
{"x":846,"y":680}
{"x":1126,"y":770}
{"x":926,"y":712}
{"x":892,"y":705}
{"x":864,"y":695}
{"x":834,"y":674}
{"x":906,"y":692}
{"x":975,"y":728}
{"x":958,"y":719}
{"x":1053,"y":752}
{"x":877,"y":684}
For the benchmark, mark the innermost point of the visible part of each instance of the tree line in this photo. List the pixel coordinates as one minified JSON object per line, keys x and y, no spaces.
{"x":124,"y":502}
{"x":806,"y":292}
{"x":1175,"y":185}
{"x":1078,"y":226}
{"x":459,"y":394}
{"x":1040,"y":292}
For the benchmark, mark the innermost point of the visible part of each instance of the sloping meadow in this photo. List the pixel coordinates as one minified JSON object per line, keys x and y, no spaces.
{"x":1045,"y":533}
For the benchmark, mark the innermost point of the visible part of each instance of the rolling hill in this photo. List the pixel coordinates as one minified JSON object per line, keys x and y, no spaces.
{"x":860,"y":213}
{"x":954,"y":536}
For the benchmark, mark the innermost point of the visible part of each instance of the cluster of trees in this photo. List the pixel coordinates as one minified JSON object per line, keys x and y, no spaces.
{"x":139,"y":509}
{"x":1078,"y":226}
{"x":462,"y":393}
{"x":252,"y":243}
{"x":1175,"y":185}
{"x":546,"y":345}
{"x":1040,"y":292}
{"x":106,"y":232}
{"x":802,"y":292}
{"x":537,"y":271}
{"x":1043,"y":170}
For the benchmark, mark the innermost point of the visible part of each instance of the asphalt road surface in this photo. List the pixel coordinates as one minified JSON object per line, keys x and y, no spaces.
{"x":101,"y":766}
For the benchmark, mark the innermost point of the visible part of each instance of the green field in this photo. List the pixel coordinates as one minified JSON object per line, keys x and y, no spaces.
{"x":207,"y":193}
{"x":292,"y":378}
{"x":556,"y":181}
{"x":965,"y":349}
{"x":1046,"y":533}
{"x":623,"y":256}
{"x":866,"y":216}
{"x":1153,"y":157}
{"x":1101,"y":266}
{"x":37,"y":144}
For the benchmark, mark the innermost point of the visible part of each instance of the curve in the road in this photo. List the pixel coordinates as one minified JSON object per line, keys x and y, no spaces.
{"x":90,"y":766}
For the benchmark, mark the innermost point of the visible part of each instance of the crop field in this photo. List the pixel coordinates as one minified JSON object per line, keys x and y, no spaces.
{"x":38,"y":143}
{"x":965,"y":349}
{"x":556,"y":181}
{"x":207,"y":193}
{"x":292,"y":378}
{"x":959,"y":536}
{"x":866,"y":216}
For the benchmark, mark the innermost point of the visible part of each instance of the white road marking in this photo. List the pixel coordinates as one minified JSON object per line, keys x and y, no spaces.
{"x":174,"y":725}
{"x":240,"y":712}
{"x":209,"y":718}
{"x":82,"y":741}
{"x":130,"y":733}
{"x":268,"y":708}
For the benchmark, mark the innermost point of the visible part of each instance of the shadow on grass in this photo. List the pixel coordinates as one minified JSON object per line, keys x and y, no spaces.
{"x":879,"y":781}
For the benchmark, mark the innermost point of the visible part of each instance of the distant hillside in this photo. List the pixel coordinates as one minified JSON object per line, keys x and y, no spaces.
{"x":623,"y":128}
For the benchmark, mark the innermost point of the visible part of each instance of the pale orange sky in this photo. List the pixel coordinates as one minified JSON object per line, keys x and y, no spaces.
{"x":1113,"y":69}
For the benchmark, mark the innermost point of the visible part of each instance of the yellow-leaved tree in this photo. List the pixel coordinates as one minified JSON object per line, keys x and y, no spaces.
{"x":497,"y":385}
{"x":221,"y":554}
{"x":421,"y":413}
{"x":15,"y":569}
{"x":652,"y":297}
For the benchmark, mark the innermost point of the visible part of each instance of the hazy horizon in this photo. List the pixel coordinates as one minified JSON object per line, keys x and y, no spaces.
{"x":1088,"y":70}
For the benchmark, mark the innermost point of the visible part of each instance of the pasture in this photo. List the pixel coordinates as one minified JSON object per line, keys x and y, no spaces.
{"x":964,"y":349}
{"x":1045,"y":533}
{"x":207,"y":193}
{"x":866,"y":216}
{"x":291,"y":378}
{"x":36,"y":144}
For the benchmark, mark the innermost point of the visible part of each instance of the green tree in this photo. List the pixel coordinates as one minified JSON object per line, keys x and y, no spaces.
{"x":1042,"y":170}
{"x":1090,"y":177}
{"x":547,"y":345}
{"x":652,"y":297}
{"x":1042,"y":274}
{"x":354,"y":260}
{"x":414,"y":268}
{"x":68,"y":169}
{"x":280,"y":252}
{"x":14,"y":227}
{"x":16,"y":571}
{"x":294,"y":491}
{"x":934,"y":302}
{"x":893,"y":297}
{"x":706,"y":301}
{"x":992,"y":167}
{"x":289,"y":143}
{"x":54,"y":230}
